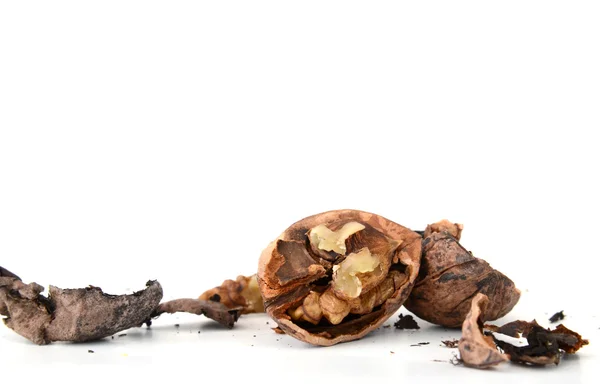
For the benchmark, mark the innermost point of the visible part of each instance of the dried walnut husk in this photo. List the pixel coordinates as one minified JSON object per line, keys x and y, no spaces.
{"x":335,"y":276}
{"x":544,"y":346}
{"x":476,"y":349}
{"x":87,"y":314}
{"x":71,"y":314}
{"x":451,"y":276}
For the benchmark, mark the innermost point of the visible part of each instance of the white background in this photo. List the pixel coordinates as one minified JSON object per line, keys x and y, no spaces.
{"x":175,"y":140}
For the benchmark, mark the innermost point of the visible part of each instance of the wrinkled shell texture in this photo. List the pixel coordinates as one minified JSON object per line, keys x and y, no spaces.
{"x":291,"y":273}
{"x":450,"y":277}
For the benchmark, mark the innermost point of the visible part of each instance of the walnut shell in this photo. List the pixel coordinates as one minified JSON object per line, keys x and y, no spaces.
{"x":293,"y":278}
{"x":450,"y":277}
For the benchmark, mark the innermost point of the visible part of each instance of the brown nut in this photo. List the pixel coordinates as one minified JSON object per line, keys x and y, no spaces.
{"x":336,"y":276}
{"x":451,"y":276}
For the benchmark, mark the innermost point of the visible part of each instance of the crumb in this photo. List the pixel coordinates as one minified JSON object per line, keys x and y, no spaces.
{"x":267,"y":323}
{"x":198,"y":331}
{"x":176,"y":325}
{"x":420,"y":344}
{"x":392,"y":352}
{"x":253,"y":335}
{"x":90,"y":351}
{"x":122,"y":335}
{"x":557,"y":317}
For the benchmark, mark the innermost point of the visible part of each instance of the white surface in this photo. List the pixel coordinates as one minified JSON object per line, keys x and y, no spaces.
{"x":173,"y":141}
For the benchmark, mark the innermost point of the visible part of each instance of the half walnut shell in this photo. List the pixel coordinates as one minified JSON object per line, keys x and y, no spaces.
{"x":336,"y":276}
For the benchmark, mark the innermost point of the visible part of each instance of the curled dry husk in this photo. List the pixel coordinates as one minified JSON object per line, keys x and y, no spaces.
{"x":71,"y":314}
{"x":476,"y":349}
{"x":295,"y":276}
{"x":241,"y":293}
{"x":451,"y":276}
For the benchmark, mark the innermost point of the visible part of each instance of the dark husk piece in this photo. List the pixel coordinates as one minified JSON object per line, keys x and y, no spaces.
{"x":544,"y":347}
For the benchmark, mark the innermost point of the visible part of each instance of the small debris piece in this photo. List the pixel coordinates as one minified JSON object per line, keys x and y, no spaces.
{"x":392,"y":352}
{"x":387,"y":326}
{"x":476,"y":349}
{"x":420,"y":344}
{"x":455,"y":360}
{"x":450,"y":343}
{"x":122,"y":335}
{"x":90,"y":351}
{"x":406,"y":322}
{"x":557,"y":317}
{"x":176,"y":325}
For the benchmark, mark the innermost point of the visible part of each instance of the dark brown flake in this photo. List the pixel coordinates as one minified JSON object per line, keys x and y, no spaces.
{"x":406,"y":322}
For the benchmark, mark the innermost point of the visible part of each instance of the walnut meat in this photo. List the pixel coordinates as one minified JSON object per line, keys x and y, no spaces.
{"x":451,"y":276}
{"x":239,"y":293}
{"x":335,"y":276}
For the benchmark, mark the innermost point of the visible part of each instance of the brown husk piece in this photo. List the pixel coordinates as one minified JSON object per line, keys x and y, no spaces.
{"x":242,"y":293}
{"x":406,"y":322}
{"x":290,"y":269}
{"x":71,"y":314}
{"x":476,"y":349}
{"x":544,"y":346}
{"x":211,"y":309}
{"x":449,"y":278}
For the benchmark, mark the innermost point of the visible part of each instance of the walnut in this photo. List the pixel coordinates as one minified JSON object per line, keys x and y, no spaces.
{"x":324,"y":239}
{"x":242,"y":292}
{"x":451,"y":276}
{"x":335,"y":276}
